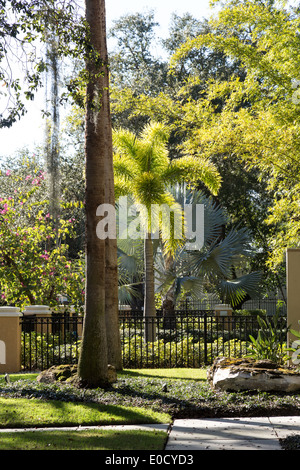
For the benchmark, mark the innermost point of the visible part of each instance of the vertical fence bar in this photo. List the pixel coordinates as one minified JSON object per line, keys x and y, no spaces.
{"x":205,"y":337}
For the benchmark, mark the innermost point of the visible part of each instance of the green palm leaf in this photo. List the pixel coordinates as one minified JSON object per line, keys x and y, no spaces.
{"x":194,"y":170}
{"x":236,"y":290}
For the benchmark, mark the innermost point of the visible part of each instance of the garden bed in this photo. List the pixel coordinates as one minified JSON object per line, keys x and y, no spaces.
{"x":181,"y":397}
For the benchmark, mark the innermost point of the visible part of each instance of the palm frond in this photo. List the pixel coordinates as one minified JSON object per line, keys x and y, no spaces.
{"x":128,"y":291}
{"x":121,"y":187}
{"x":221,"y":255}
{"x":124,"y":142}
{"x":215,"y":216}
{"x":192,"y":170}
{"x":124,"y":167}
{"x":127,"y":262}
{"x":153,"y":148}
{"x":189,"y":285}
{"x":235,"y":290}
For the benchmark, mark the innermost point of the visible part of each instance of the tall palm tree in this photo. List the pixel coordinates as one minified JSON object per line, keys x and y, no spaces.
{"x":144,"y":170}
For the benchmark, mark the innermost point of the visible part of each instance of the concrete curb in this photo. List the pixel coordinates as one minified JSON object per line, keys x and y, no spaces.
{"x":122,"y":427}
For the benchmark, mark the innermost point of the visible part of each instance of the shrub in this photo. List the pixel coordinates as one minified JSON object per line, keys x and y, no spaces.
{"x":269,"y":341}
{"x":34,"y":264}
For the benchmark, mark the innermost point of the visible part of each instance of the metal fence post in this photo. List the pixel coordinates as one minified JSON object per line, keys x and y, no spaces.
{"x":205,"y":337}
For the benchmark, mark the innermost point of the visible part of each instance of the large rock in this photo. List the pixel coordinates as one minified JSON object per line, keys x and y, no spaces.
{"x":68,"y":374}
{"x":231,"y":374}
{"x":61,"y":373}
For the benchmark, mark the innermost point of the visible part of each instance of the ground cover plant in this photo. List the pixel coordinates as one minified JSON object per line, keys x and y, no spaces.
{"x":177,"y":392}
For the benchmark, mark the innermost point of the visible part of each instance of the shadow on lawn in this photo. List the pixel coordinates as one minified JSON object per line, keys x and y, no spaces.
{"x":132,"y":373}
{"x":84,"y":440}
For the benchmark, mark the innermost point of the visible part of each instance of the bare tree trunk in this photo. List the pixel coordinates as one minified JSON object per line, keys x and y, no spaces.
{"x":93,"y":361}
{"x":149,"y":296}
{"x":111,"y":274}
{"x":52,"y":130}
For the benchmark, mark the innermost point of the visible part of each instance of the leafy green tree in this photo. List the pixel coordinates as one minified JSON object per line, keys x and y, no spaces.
{"x":86,"y":38}
{"x":24,"y":29}
{"x":143,"y":170}
{"x":187,"y":100}
{"x":132,"y":61}
{"x":34,"y":268}
{"x":258,"y":122}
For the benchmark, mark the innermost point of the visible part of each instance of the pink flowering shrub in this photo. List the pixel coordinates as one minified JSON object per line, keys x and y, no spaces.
{"x":34,"y":264}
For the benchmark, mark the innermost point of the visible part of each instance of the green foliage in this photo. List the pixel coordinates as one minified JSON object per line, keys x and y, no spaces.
{"x":250,"y":312}
{"x":295,"y":347}
{"x":48,"y":350}
{"x":220,"y":266}
{"x":34,"y":264}
{"x":255,"y":120}
{"x":143,"y":168}
{"x":24,"y":24}
{"x":185,"y":396}
{"x":237,"y":100}
{"x":270,"y":339}
{"x":177,"y":353}
{"x":131,"y":61}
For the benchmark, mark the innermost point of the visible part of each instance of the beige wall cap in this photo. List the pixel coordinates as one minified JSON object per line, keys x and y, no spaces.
{"x":10,"y":312}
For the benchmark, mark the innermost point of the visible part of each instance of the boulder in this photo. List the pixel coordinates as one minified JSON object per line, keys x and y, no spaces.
{"x":66,"y":373}
{"x":231,"y":374}
{"x":61,"y":373}
{"x":111,"y":374}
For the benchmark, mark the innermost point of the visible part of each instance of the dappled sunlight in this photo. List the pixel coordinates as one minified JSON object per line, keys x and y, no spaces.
{"x":180,"y":374}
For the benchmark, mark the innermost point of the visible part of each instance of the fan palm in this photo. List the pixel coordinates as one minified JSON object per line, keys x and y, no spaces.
{"x":144,"y":170}
{"x":187,"y":272}
{"x":130,"y":263}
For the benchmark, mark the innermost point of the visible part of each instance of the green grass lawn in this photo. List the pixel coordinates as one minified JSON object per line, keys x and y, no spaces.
{"x":184,"y":373}
{"x":21,"y":412}
{"x":32,"y":413}
{"x":180,"y":373}
{"x":138,"y":397}
{"x":84,"y":440}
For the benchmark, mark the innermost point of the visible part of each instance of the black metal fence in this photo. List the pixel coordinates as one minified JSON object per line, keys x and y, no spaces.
{"x":48,"y":341}
{"x":190,"y":339}
{"x":269,"y":305}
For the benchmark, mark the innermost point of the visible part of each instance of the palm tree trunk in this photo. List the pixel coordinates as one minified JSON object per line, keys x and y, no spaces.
{"x":111,"y":277}
{"x":92,"y":365}
{"x":168,"y":300}
{"x":149,"y":296}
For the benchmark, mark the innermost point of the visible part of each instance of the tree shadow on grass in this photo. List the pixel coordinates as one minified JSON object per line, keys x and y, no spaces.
{"x":84,"y":440}
{"x":18,"y":413}
{"x":92,"y":413}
